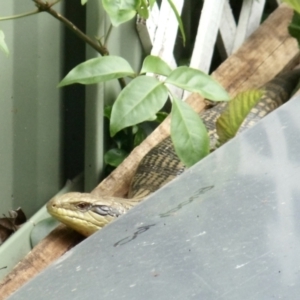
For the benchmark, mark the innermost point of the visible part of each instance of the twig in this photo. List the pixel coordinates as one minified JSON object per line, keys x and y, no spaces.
{"x":36,"y":11}
{"x":44,"y":6}
{"x":107,"y":35}
{"x":54,"y":2}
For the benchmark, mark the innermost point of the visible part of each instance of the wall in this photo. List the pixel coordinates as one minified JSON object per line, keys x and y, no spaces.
{"x":30,"y":109}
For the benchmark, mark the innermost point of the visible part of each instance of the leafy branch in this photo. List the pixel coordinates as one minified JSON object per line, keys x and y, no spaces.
{"x":44,"y":6}
{"x":47,"y":7}
{"x":144,"y":96}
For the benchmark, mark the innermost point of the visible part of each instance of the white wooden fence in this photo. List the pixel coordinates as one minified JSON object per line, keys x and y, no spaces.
{"x":158,"y":33}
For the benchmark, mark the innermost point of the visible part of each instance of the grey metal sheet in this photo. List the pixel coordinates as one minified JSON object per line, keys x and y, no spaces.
{"x":228,"y":228}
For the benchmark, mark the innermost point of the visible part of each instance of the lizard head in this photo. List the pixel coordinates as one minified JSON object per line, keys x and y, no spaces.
{"x":87,"y":213}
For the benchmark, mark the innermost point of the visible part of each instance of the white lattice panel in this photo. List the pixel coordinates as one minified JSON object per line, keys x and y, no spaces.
{"x":216,"y":19}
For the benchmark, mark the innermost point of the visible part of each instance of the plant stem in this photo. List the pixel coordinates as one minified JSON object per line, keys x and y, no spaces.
{"x":36,"y":11}
{"x":54,"y":2}
{"x":107,"y":35}
{"x":44,"y":6}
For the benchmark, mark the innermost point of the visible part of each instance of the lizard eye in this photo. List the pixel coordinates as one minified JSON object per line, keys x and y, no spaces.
{"x":83,"y":206}
{"x":104,"y":210}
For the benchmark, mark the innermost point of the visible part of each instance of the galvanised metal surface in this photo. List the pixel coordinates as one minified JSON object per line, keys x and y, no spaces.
{"x":30,"y":106}
{"x":228,"y":228}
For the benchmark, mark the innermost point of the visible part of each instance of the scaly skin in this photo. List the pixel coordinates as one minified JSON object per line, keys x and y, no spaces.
{"x":86,"y":213}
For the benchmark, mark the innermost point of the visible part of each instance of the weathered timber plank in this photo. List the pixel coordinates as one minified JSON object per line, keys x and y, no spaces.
{"x":263,"y":55}
{"x":266,"y":53}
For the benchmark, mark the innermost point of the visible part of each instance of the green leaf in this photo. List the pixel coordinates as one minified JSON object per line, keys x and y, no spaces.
{"x":83,"y":2}
{"x":142,"y":9}
{"x":180,"y":24}
{"x":115,"y":157}
{"x":295,"y":4}
{"x":3,"y":45}
{"x":135,"y":129}
{"x":198,"y":82}
{"x":235,"y":113}
{"x":97,"y":70}
{"x":137,"y":102}
{"x":107,"y":111}
{"x":139,"y":137}
{"x":154,"y":64}
{"x":160,"y":116}
{"x":151,"y":3}
{"x":120,"y":11}
{"x":188,"y":133}
{"x":152,"y":118}
{"x":123,"y":140}
{"x":294,"y":27}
